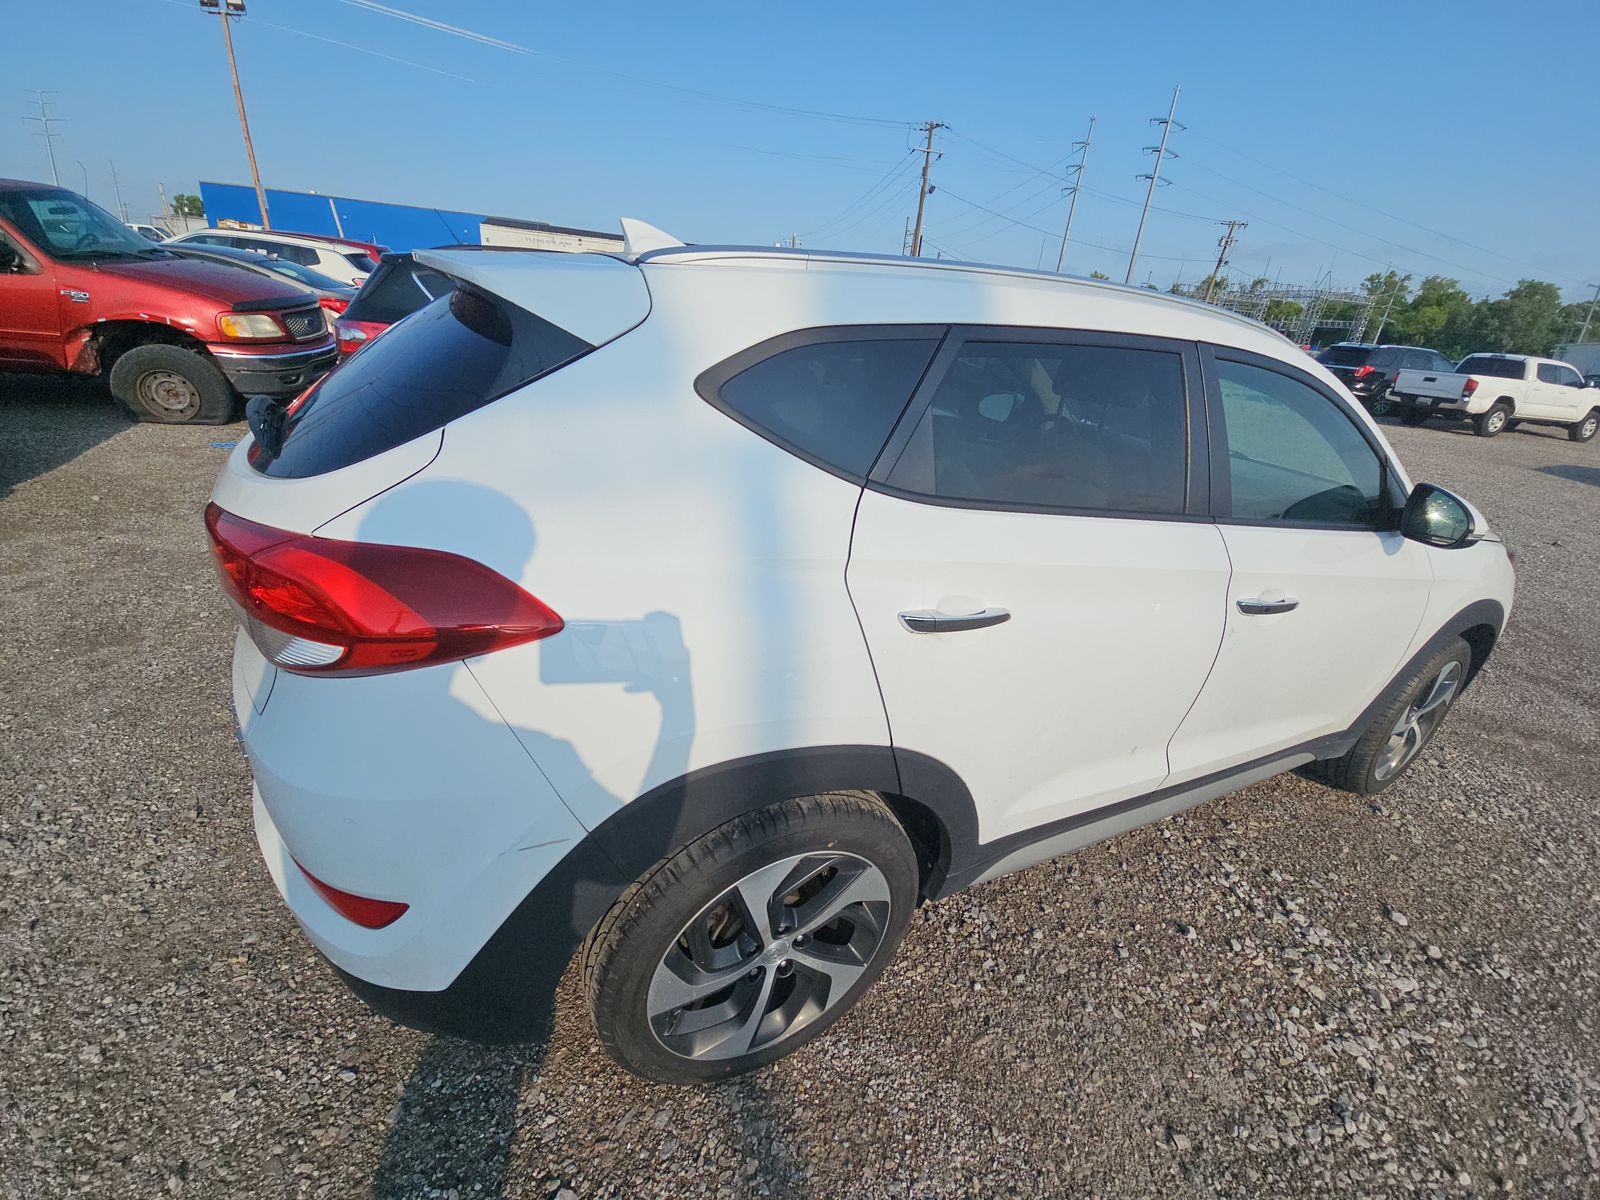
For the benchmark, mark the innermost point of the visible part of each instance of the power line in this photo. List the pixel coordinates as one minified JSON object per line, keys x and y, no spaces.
{"x":1052,"y":233}
{"x":1373,"y":208}
{"x":888,"y":179}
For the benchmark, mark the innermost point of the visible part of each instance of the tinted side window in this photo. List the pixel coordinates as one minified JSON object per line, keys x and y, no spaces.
{"x":455,"y":356}
{"x":1042,"y":425}
{"x":1293,"y":455}
{"x":833,"y":402}
{"x":1440,"y":363}
{"x":1549,"y":373}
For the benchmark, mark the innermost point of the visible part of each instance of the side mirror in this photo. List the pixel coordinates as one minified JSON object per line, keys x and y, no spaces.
{"x":1435,"y":517}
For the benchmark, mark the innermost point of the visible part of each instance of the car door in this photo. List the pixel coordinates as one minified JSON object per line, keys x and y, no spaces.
{"x":1039,"y":587}
{"x":1560,"y":391}
{"x":30,"y":316}
{"x":1326,"y":595}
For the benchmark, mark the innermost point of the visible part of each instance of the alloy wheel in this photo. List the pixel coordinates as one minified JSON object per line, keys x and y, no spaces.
{"x":1417,"y":724}
{"x":769,"y":956}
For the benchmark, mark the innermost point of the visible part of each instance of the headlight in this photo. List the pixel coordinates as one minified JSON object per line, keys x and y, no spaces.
{"x":250,"y":325}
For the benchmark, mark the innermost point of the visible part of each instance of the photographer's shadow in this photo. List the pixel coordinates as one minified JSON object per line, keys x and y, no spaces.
{"x":454,"y":1123}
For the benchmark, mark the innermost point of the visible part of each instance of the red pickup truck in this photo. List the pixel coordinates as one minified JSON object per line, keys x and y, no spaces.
{"x":180,"y":340}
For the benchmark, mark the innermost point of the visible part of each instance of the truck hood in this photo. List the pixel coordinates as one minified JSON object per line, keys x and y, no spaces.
{"x":224,"y":285}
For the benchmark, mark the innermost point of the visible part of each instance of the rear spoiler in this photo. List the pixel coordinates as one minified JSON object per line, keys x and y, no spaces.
{"x":592,"y":296}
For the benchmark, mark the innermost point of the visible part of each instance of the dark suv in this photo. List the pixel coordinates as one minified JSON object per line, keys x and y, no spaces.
{"x":1369,"y":370}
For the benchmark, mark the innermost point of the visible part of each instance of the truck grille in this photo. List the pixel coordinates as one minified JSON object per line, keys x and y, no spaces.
{"x":304,"y":323}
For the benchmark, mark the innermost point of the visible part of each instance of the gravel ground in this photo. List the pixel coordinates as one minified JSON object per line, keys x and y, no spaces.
{"x":1288,"y":992}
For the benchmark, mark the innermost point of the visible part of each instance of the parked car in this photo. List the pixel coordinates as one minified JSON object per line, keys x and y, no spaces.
{"x":1500,"y":390}
{"x":396,"y":289}
{"x":334,"y":297}
{"x":1369,"y":370}
{"x":177,"y":339}
{"x":713,"y":614}
{"x":348,"y":262}
{"x":156,"y":233}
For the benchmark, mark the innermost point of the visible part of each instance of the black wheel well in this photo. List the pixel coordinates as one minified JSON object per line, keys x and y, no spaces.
{"x":1508,"y":402}
{"x":113,"y":339}
{"x":929,"y":838}
{"x":1481,"y":638}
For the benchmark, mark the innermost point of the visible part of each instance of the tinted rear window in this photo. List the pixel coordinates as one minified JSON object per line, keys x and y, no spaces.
{"x":457,"y":355}
{"x":361,"y":261}
{"x":1345,"y":356}
{"x":831,"y":402}
{"x":1500,"y":368}
{"x":397,"y":290}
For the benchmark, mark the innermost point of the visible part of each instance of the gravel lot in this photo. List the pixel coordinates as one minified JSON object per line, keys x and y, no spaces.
{"x":1288,"y":992}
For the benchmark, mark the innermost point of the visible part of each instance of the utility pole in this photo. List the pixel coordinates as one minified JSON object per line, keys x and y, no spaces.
{"x":1225,"y":244}
{"x":229,"y":11}
{"x":922,"y":192}
{"x":1153,"y":177}
{"x":905,"y":242}
{"x":45,"y":121}
{"x":1077,"y":185}
{"x":85,"y":171}
{"x":1589,"y":316}
{"x":116,"y":186}
{"x":1377,"y":338}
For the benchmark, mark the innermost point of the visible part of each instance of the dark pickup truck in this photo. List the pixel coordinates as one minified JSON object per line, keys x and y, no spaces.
{"x":180,"y":340}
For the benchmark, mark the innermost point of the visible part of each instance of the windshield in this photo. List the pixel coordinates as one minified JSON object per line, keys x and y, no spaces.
{"x":66,"y":226}
{"x":271,"y":262}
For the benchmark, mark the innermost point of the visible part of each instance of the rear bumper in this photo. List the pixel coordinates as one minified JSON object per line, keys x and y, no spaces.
{"x":275,"y":372}
{"x":1444,"y":407}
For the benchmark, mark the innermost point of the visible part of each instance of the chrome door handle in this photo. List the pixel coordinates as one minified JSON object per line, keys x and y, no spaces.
{"x":927,"y":620}
{"x":1258,"y":607}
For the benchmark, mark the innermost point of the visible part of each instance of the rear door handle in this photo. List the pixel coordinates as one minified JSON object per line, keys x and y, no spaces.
{"x":927,"y":620}
{"x":1258,"y":607}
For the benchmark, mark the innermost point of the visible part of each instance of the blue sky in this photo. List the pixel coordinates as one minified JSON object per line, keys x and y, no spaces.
{"x":1432,"y":136}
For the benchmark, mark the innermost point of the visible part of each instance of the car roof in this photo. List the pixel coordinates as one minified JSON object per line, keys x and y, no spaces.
{"x":978,"y":276}
{"x":270,"y":235}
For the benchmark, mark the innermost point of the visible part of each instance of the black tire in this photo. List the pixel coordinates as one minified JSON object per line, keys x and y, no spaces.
{"x":1367,"y":767}
{"x":657,"y":919}
{"x":1584,"y":430}
{"x":1411,"y":415}
{"x":1493,"y":422}
{"x":170,"y":385}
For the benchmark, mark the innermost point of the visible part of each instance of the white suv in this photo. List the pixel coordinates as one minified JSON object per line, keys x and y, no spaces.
{"x":347,"y":262}
{"x":712,"y":608}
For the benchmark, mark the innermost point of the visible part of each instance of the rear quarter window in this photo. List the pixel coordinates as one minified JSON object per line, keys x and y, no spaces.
{"x":397,"y":290}
{"x":458,"y":354}
{"x":830,"y":397}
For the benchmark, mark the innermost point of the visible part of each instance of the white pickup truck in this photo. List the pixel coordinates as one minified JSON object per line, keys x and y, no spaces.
{"x":1498,"y":391}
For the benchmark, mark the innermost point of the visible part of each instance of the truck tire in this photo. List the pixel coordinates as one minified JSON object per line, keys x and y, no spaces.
{"x":1585,"y":429}
{"x":1492,"y":422}
{"x":170,"y":385}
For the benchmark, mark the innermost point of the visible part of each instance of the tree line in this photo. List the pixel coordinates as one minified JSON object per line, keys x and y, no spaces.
{"x":1438,"y":313}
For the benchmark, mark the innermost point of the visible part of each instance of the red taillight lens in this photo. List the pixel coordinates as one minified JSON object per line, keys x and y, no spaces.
{"x":1363,"y":372}
{"x":320,"y":606}
{"x":350,"y":337}
{"x":363,"y":910}
{"x":334,"y":304}
{"x":1467,"y":388}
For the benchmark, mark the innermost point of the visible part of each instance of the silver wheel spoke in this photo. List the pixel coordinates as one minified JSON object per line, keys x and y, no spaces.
{"x":670,"y":989}
{"x":1444,"y":687}
{"x":862,"y":887}
{"x":743,"y":1037}
{"x":841,"y":967}
{"x":756,"y":893}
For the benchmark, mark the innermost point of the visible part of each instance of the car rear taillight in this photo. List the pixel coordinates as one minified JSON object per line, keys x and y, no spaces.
{"x":334,"y":304}
{"x":321,"y":606}
{"x":363,"y":910}
{"x":1467,"y":388}
{"x":350,"y":337}
{"x":1363,"y":372}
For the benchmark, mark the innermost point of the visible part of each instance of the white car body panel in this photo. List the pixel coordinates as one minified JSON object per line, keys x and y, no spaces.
{"x":1068,"y":705}
{"x":1531,"y":398}
{"x":710,"y":582}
